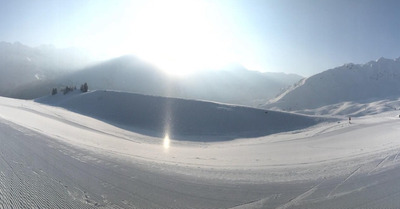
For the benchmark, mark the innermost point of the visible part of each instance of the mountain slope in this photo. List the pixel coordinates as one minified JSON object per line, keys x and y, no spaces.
{"x":375,"y":80}
{"x":158,"y":116}
{"x":21,"y":65}
{"x":236,"y":85}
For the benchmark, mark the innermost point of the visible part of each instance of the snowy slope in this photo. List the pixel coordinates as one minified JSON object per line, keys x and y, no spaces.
{"x":236,"y":85}
{"x":356,"y":109}
{"x":51,"y":157}
{"x":179,"y":118}
{"x":359,"y":83}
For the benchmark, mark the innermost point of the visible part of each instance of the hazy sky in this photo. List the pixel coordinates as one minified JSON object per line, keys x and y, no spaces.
{"x":293,"y":36}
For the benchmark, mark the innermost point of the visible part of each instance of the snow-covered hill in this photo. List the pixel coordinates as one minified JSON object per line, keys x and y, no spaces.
{"x":179,"y":118}
{"x":352,"y":83}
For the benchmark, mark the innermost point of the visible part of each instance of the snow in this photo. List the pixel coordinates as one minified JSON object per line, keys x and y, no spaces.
{"x":355,"y":108}
{"x":68,"y":159}
{"x":157,"y":116}
{"x":358,"y":83}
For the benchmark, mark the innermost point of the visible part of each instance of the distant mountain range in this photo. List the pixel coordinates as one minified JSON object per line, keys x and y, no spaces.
{"x":233,"y":84}
{"x":355,"y":83}
{"x":21,"y":65}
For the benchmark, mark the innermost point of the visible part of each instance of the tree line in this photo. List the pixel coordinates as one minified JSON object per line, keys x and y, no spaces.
{"x":67,"y":89}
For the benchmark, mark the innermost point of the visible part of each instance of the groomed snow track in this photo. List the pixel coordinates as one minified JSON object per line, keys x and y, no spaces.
{"x":95,"y":165}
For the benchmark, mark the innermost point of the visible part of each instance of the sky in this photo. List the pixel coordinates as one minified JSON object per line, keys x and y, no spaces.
{"x":293,"y":36}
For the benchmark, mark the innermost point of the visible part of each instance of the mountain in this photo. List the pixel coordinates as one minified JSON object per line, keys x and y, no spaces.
{"x":233,"y":84}
{"x":179,"y":118}
{"x":21,"y":64}
{"x":351,"y":83}
{"x":126,"y":73}
{"x":236,"y":85}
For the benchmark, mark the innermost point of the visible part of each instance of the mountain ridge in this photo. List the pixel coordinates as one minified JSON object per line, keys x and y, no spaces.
{"x":21,"y":65}
{"x":128,"y":73}
{"x":374,"y":80}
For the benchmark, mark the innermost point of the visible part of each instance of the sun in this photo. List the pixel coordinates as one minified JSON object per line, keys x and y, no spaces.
{"x":177,"y":36}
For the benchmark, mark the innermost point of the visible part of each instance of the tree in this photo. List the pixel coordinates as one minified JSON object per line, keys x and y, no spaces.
{"x":68,"y":89}
{"x":84,"y":87}
{"x":54,"y":91}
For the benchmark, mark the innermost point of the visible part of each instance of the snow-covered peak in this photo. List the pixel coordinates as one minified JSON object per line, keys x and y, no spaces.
{"x":383,"y":60}
{"x":374,"y":80}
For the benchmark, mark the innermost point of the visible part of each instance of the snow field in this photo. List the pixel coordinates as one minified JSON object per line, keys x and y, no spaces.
{"x":332,"y":164}
{"x":324,"y":143}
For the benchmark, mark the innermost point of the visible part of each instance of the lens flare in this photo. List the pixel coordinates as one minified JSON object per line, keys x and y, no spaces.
{"x":166,"y":142}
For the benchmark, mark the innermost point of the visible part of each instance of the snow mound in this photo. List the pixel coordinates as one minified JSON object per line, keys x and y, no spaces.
{"x":373,"y":81}
{"x":179,"y":118}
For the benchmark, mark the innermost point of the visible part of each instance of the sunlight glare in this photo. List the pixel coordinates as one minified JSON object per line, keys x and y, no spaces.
{"x":178,"y":36}
{"x":166,"y":141}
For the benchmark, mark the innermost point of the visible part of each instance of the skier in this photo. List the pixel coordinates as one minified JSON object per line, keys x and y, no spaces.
{"x":349,"y":120}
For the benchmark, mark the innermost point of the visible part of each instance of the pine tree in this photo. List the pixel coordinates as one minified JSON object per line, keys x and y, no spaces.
{"x":84,"y":87}
{"x":54,"y":91}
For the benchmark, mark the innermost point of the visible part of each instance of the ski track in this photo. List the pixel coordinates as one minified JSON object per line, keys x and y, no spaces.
{"x":297,"y":200}
{"x":255,"y":204}
{"x":343,"y":182}
{"x":379,"y":165}
{"x":395,"y":157}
